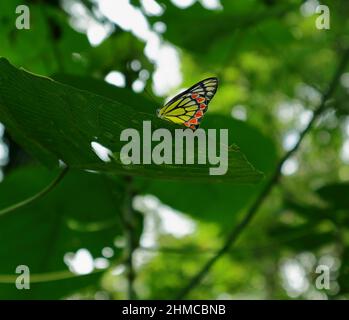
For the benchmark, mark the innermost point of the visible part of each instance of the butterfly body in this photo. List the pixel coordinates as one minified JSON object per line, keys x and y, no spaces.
{"x":189,"y":107}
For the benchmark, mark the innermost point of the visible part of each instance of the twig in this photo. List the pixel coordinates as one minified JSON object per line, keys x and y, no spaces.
{"x":37,"y":196}
{"x":129,"y":227}
{"x":232,"y":237}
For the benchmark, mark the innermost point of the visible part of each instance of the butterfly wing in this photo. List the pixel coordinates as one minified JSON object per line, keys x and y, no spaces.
{"x":188,"y":107}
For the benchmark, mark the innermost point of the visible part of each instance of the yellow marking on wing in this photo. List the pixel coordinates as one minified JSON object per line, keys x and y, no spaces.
{"x":176,"y":112}
{"x":190,"y":113}
{"x":171,"y":106}
{"x":184,"y":101}
{"x":192,"y":108}
{"x":174,"y":119}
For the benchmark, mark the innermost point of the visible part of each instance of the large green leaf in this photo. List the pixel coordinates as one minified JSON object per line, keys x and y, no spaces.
{"x":123,"y":95}
{"x":83,"y":211}
{"x":58,"y":122}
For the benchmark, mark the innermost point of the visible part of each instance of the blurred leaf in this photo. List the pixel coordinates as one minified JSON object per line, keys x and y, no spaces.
{"x":14,"y":44}
{"x":68,"y":46}
{"x":305,"y":237}
{"x":83,"y":211}
{"x":55,"y":40}
{"x":336,"y":195}
{"x":190,"y":27}
{"x":117,"y":53}
{"x":310,"y":212}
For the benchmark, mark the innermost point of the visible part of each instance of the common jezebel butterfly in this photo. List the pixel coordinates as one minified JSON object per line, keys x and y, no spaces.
{"x":189,"y":107}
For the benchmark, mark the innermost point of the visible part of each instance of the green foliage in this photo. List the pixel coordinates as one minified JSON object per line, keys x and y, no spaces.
{"x":273,"y":65}
{"x":82,"y":212}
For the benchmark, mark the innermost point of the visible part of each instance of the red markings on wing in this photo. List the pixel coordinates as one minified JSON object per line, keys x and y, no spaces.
{"x":190,"y":125}
{"x":202,"y":106}
{"x":193,"y":121}
{"x":200,"y":100}
{"x":198,"y":114}
{"x":194,"y":95}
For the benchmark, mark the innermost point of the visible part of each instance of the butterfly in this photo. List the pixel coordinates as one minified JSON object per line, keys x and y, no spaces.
{"x":189,"y":107}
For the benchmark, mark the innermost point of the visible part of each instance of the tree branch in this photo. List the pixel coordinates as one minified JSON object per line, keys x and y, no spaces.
{"x":131,"y":242}
{"x":234,"y":234}
{"x":37,"y":196}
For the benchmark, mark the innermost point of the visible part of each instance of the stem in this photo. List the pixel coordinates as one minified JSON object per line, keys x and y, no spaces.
{"x":131,"y":241}
{"x":233,"y":235}
{"x":37,"y":196}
